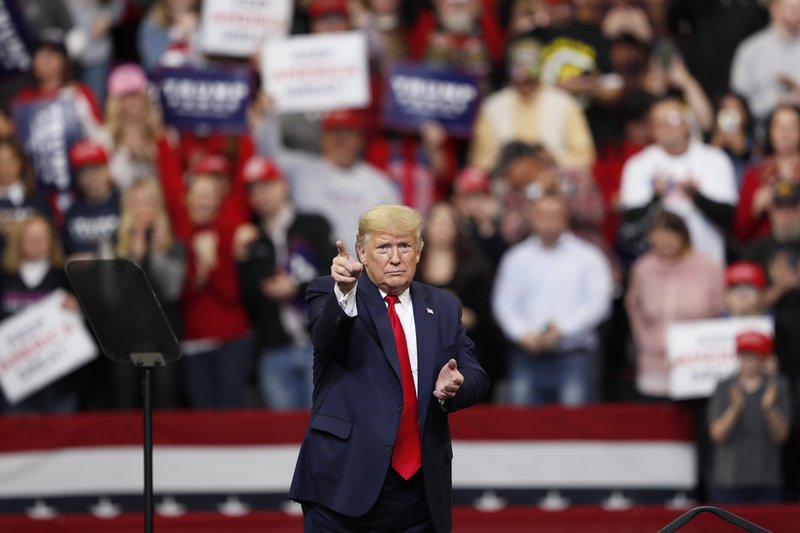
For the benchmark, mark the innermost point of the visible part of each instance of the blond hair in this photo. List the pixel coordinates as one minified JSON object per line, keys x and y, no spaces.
{"x":115,"y":123}
{"x":12,"y":256}
{"x":395,"y":219}
{"x":125,"y":228}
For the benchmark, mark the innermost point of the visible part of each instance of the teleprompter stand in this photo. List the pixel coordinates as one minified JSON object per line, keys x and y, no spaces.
{"x":131,"y":328}
{"x":727,"y":516}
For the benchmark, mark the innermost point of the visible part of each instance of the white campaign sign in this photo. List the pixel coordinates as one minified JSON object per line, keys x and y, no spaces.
{"x":703,"y":352}
{"x":317,"y":72}
{"x":40,"y":344}
{"x":240,"y":27}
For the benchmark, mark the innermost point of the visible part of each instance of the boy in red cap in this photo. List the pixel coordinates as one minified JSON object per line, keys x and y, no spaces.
{"x":91,"y":221}
{"x":748,"y":420}
{"x":745,"y":283}
{"x":329,"y":16}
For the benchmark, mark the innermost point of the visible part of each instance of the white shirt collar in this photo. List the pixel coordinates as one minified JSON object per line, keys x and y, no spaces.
{"x":15,"y":193}
{"x":404,"y":297}
{"x":33,"y":272}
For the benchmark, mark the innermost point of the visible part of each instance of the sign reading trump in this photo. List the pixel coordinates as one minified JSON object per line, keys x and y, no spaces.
{"x":239,"y":28}
{"x":317,"y":72}
{"x":416,"y":94}
{"x":205,"y":100}
{"x":42,"y":343}
{"x":15,"y":55}
{"x":47,"y":129}
{"x":703,"y":352}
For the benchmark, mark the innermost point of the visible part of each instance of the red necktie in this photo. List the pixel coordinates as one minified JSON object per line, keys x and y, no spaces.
{"x":407,"y":454}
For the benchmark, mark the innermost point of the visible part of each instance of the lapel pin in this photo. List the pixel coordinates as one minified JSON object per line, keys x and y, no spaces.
{"x":430,"y":311}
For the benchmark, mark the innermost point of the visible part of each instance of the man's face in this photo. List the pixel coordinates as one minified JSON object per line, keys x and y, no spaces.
{"x":785,"y":222}
{"x":669,"y":128}
{"x":341,"y":147}
{"x":267,"y":198}
{"x":457,"y":16}
{"x":521,"y":172}
{"x":390,"y":260}
{"x":549,"y":219}
{"x":787,"y":14}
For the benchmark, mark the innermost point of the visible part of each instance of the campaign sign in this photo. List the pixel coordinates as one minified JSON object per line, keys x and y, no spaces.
{"x":317,"y":72}
{"x":239,"y":28}
{"x":15,"y":51}
{"x":416,"y":94}
{"x":205,"y":99}
{"x":41,"y":343}
{"x":47,"y":129}
{"x":703,"y":352}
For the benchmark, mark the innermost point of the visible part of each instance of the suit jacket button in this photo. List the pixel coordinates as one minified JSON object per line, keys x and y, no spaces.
{"x":388,"y":445}
{"x":400,"y":408}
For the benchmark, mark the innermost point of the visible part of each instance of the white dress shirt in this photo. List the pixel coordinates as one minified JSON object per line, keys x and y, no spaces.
{"x":405,"y":312}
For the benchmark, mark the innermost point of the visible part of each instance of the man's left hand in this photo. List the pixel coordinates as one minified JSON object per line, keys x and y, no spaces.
{"x":449,"y":381}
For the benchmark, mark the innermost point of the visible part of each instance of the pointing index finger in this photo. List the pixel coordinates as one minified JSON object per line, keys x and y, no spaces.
{"x":340,"y":247}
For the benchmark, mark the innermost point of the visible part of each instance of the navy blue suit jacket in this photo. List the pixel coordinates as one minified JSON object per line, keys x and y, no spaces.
{"x":358,"y":397}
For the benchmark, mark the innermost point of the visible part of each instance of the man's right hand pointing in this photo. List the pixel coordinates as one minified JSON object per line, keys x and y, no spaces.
{"x":344,"y":269}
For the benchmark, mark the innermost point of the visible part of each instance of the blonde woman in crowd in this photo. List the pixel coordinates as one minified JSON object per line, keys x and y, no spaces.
{"x":145,"y":237}
{"x":33,"y":267}
{"x":140,"y":144}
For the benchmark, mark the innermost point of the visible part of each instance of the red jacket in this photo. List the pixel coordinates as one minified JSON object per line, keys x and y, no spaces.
{"x":214,"y":310}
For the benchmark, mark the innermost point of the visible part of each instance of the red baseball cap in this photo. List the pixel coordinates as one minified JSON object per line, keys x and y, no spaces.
{"x":471,"y":180}
{"x":343,"y":119}
{"x":261,"y":170}
{"x":212,"y":164}
{"x":754,"y":342}
{"x":87,"y":152}
{"x":745,"y":273}
{"x":319,"y":8}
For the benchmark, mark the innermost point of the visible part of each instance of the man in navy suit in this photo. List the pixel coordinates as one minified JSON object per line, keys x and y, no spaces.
{"x":391,"y":360}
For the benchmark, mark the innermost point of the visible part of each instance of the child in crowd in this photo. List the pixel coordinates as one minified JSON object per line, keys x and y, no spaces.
{"x":745,"y":283}
{"x":90,"y":223}
{"x":748,"y":420}
{"x":33,"y":267}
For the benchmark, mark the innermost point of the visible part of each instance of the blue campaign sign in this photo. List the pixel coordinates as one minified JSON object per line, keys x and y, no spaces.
{"x":415,"y":94}
{"x":15,"y":45}
{"x":47,"y":129}
{"x":205,"y":100}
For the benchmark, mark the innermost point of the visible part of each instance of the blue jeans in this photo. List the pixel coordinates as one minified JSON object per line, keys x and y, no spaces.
{"x":555,"y":377}
{"x":285,"y":376}
{"x":96,"y":77}
{"x":216,"y":379}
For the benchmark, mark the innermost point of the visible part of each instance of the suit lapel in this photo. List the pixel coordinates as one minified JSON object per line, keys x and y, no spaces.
{"x":425,"y":322}
{"x":370,"y":301}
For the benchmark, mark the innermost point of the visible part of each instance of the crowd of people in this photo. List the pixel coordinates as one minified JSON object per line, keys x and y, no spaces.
{"x":631,"y":164}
